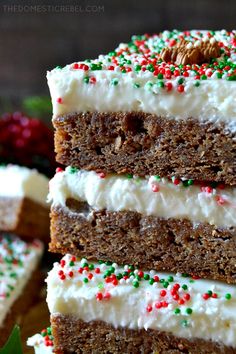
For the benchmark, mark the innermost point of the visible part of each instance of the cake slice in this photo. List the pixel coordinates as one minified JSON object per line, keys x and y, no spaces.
{"x":23,"y":206}
{"x":155,"y":223}
{"x":19,"y":280}
{"x":105,"y":308}
{"x":158,"y":105}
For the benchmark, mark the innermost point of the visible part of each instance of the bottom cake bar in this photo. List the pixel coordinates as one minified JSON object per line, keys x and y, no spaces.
{"x":106,"y":308}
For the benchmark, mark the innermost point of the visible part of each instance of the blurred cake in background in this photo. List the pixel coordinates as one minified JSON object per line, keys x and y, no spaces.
{"x":19,"y":280}
{"x":23,"y":207}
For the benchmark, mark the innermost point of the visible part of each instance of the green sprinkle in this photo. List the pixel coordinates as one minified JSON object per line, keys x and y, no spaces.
{"x":101,"y":262}
{"x":177,"y":311}
{"x":10,"y":287}
{"x":58,"y":67}
{"x":151,"y":281}
{"x":190,"y":182}
{"x":170,"y":278}
{"x":184,"y":323}
{"x":203,"y":77}
{"x":228,"y":296}
{"x":137,"y":68}
{"x":73,"y":169}
{"x":129,"y":176}
{"x":184,"y":286}
{"x":135,"y":283}
{"x":108,"y":263}
{"x":231,"y":78}
{"x":185,"y":183}
{"x":13,"y":275}
{"x":107,"y":273}
{"x":138,"y":277}
{"x":49,"y":331}
{"x":114,"y":82}
{"x":100,"y":285}
{"x":160,"y":76}
{"x":209,"y":292}
{"x":150,"y":67}
{"x":96,"y":66}
{"x":119,"y":276}
{"x":91,"y":266}
{"x":197,"y":84}
{"x":86,"y":79}
{"x":165,"y":284}
{"x":180,"y":81}
{"x":188,"y":311}
{"x":157,"y":178}
{"x":136,"y":85}
{"x":85,"y":280}
{"x":191,"y":281}
{"x":111,"y":269}
{"x":146,"y":276}
{"x":71,"y":264}
{"x":160,"y":84}
{"x":185,"y":275}
{"x":84,"y":265}
{"x":218,"y":75}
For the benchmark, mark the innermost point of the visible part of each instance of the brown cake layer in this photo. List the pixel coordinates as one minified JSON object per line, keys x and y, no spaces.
{"x":149,"y":242}
{"x":73,"y":336}
{"x":24,"y":217}
{"x":18,"y":310}
{"x":146,"y":144}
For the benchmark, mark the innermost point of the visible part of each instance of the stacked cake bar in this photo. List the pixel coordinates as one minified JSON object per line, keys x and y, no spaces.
{"x":145,"y":211}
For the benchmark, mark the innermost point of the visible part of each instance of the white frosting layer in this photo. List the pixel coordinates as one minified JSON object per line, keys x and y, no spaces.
{"x":214,"y":100}
{"x":18,"y":260}
{"x":124,"y":305}
{"x":37,"y":341}
{"x":17,"y":181}
{"x":119,"y":193}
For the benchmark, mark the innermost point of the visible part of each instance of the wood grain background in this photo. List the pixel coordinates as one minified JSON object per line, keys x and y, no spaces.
{"x":35,"y":40}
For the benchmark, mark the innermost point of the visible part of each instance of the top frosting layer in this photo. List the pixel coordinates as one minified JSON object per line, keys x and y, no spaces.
{"x":145,"y":75}
{"x":17,"y":181}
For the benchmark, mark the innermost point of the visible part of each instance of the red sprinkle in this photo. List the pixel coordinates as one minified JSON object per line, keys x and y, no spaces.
{"x":149,"y":308}
{"x":59,"y":100}
{"x":180,"y":88}
{"x":206,"y":296}
{"x":59,"y":169}
{"x":99,"y":296}
{"x":163,"y":293}
{"x":186,"y":297}
{"x":62,"y":263}
{"x":155,"y":187}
